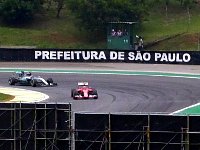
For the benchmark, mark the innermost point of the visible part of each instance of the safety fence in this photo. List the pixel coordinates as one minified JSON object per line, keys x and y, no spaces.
{"x":35,"y":126}
{"x":54,"y":127}
{"x":136,"y":132}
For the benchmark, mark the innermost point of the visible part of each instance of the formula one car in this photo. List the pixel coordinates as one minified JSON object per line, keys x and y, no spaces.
{"x":26,"y":78}
{"x":83,"y":91}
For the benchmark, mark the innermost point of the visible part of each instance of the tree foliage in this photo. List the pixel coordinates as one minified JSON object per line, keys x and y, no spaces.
{"x":95,"y":14}
{"x":17,"y":11}
{"x":188,"y":3}
{"x":58,"y":4}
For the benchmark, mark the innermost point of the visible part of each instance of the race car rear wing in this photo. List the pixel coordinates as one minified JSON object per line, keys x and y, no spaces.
{"x":83,"y":83}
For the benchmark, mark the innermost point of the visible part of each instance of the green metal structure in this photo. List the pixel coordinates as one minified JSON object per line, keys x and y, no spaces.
{"x":121,"y":35}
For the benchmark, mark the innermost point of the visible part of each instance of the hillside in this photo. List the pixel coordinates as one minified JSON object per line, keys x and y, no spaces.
{"x":47,"y":31}
{"x":175,"y":30}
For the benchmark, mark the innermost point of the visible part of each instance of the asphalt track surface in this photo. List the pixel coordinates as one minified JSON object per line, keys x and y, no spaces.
{"x":118,"y":93}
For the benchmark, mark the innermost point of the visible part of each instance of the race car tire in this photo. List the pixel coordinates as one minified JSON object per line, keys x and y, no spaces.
{"x":12,"y":81}
{"x":49,"y":81}
{"x":95,"y":93}
{"x":75,"y":94}
{"x":33,"y":83}
{"x":72,"y":92}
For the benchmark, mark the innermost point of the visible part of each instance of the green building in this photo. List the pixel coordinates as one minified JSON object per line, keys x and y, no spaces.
{"x":121,"y":35}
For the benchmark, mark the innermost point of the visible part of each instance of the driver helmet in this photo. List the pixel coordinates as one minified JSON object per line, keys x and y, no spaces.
{"x":28,"y":74}
{"x":21,"y":73}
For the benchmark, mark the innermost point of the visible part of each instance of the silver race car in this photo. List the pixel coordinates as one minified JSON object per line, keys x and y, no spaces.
{"x":26,"y":78}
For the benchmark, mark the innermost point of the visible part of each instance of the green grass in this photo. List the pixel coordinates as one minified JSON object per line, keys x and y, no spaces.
{"x":159,"y":26}
{"x":5,"y":97}
{"x":46,"y":31}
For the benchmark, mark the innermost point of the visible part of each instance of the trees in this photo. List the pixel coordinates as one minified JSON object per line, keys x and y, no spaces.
{"x":95,"y":14}
{"x":17,"y":11}
{"x":58,"y":4}
{"x":188,"y":4}
{"x":92,"y":14}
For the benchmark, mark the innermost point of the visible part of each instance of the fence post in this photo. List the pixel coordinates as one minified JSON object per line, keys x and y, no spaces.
{"x":109,"y":133}
{"x":187,"y":147}
{"x":184,"y":139}
{"x":148,"y":133}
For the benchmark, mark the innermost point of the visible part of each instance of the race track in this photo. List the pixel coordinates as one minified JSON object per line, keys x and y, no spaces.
{"x":121,"y":93}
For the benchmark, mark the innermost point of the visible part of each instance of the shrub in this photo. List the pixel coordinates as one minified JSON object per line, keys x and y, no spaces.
{"x":16,"y":11}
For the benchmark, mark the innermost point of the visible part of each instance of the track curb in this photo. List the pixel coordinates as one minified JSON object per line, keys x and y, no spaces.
{"x":23,"y":95}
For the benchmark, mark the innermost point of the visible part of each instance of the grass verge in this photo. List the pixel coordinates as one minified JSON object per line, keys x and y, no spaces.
{"x":5,"y":97}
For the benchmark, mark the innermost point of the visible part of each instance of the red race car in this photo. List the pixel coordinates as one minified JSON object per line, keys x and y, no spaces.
{"x":83,"y":91}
